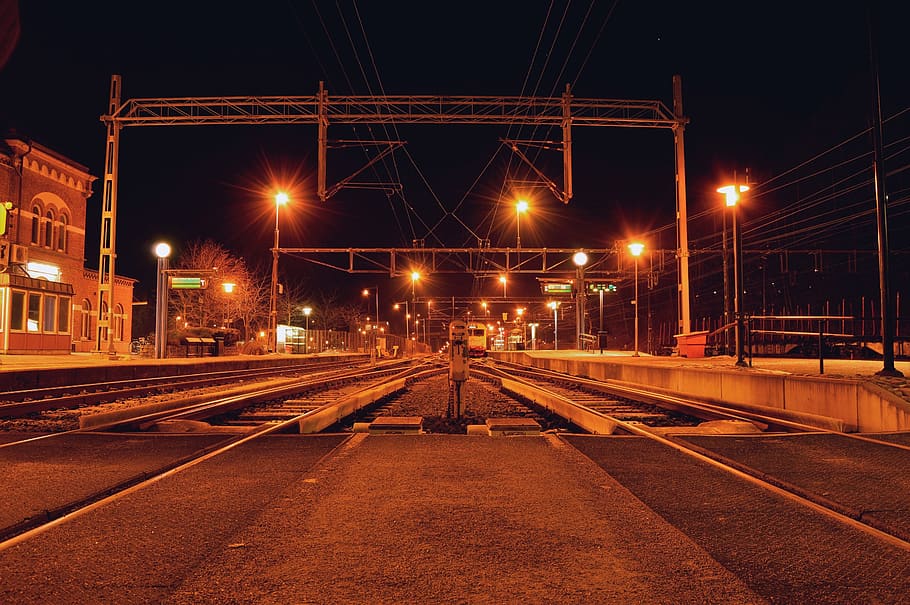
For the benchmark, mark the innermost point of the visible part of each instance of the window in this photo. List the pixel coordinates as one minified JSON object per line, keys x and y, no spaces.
{"x":50,"y":313}
{"x":36,"y":214}
{"x":61,"y":234}
{"x":34,"y":312}
{"x":85,"y":329}
{"x":49,"y":229}
{"x":63,"y":315}
{"x":119,"y":321}
{"x":17,"y":311}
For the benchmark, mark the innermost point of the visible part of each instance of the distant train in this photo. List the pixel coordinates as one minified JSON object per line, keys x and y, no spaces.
{"x":477,"y":340}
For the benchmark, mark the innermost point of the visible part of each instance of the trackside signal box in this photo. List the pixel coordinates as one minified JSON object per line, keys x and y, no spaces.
{"x":458,"y":366}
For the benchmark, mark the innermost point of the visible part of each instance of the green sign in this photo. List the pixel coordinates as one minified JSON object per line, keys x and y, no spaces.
{"x":557,"y":288}
{"x":601,"y":287}
{"x":187,"y":283}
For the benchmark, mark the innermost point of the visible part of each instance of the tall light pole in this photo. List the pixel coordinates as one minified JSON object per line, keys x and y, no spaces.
{"x":888,"y":312}
{"x":366,"y":292}
{"x":281,"y":198}
{"x":407,"y":318}
{"x":636,"y":249}
{"x":306,"y":332}
{"x":415,"y":275}
{"x":580,"y":259}
{"x":502,"y":280}
{"x":162,"y":251}
{"x":732,"y":196}
{"x":553,"y":304}
{"x":521,"y":206}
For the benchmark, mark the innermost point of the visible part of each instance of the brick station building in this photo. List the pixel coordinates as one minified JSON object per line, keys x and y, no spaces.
{"x":48,"y":299}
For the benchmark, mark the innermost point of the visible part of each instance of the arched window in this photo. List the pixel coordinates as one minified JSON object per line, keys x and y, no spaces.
{"x":85,"y":327}
{"x":61,"y":235}
{"x":119,"y":321}
{"x":49,"y":229}
{"x":36,"y":222}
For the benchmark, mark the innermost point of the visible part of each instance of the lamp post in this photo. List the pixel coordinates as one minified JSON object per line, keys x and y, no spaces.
{"x":520,"y":311}
{"x":553,"y":304}
{"x":732,"y":196}
{"x":502,"y":280}
{"x":366,"y":292}
{"x":521,"y":206}
{"x":306,"y":331}
{"x":636,"y":249}
{"x":415,"y":275}
{"x":162,"y":251}
{"x":281,"y":199}
{"x":407,"y":318}
{"x":580,"y":259}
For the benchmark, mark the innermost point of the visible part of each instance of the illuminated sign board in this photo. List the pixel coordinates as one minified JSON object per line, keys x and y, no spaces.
{"x":601,"y":287}
{"x":557,"y":288}
{"x":187,"y":283}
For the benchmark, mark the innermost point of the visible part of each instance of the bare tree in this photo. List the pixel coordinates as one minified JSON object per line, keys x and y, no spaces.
{"x":234,"y":293}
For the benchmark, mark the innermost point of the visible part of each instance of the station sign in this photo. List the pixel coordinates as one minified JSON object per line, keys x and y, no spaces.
{"x":187,"y":283}
{"x":557,"y":288}
{"x":601,"y":287}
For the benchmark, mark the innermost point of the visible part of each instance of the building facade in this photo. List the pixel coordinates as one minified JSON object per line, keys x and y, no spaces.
{"x":48,"y":298}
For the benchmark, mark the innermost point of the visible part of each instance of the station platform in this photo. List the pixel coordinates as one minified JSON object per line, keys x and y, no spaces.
{"x":845,"y":389}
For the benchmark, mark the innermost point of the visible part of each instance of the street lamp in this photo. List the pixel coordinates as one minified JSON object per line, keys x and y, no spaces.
{"x":521,"y":206}
{"x":502,"y":280}
{"x":281,"y":198}
{"x":366,"y":292}
{"x":407,"y":318}
{"x":636,"y":249}
{"x":306,"y":332}
{"x":732,"y":196}
{"x":162,"y":251}
{"x":580,"y":259}
{"x":553,"y":304}
{"x":520,"y":311}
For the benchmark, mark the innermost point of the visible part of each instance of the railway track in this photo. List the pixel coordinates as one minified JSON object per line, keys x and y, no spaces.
{"x":31,"y":401}
{"x":341,"y":401}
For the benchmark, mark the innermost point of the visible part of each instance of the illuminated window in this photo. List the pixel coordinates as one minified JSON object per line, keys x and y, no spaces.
{"x":34,"y":312}
{"x":43,"y":271}
{"x":50,"y":313}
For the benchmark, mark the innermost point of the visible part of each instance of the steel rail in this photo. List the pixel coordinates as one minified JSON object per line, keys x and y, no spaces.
{"x":100,"y":392}
{"x":23,"y":531}
{"x":816,"y":502}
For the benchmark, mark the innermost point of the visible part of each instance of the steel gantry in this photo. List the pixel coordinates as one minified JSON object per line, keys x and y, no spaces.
{"x":562,"y":112}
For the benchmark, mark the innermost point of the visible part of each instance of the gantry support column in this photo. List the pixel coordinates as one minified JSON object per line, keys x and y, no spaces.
{"x":683,"y":327}
{"x":323,"y":124}
{"x":567,"y":145}
{"x":105,"y":310}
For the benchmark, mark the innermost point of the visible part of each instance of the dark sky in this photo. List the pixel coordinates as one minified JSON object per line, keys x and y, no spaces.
{"x":766,"y":86}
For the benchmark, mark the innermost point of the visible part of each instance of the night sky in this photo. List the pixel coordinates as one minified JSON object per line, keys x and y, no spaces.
{"x":766,"y":86}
